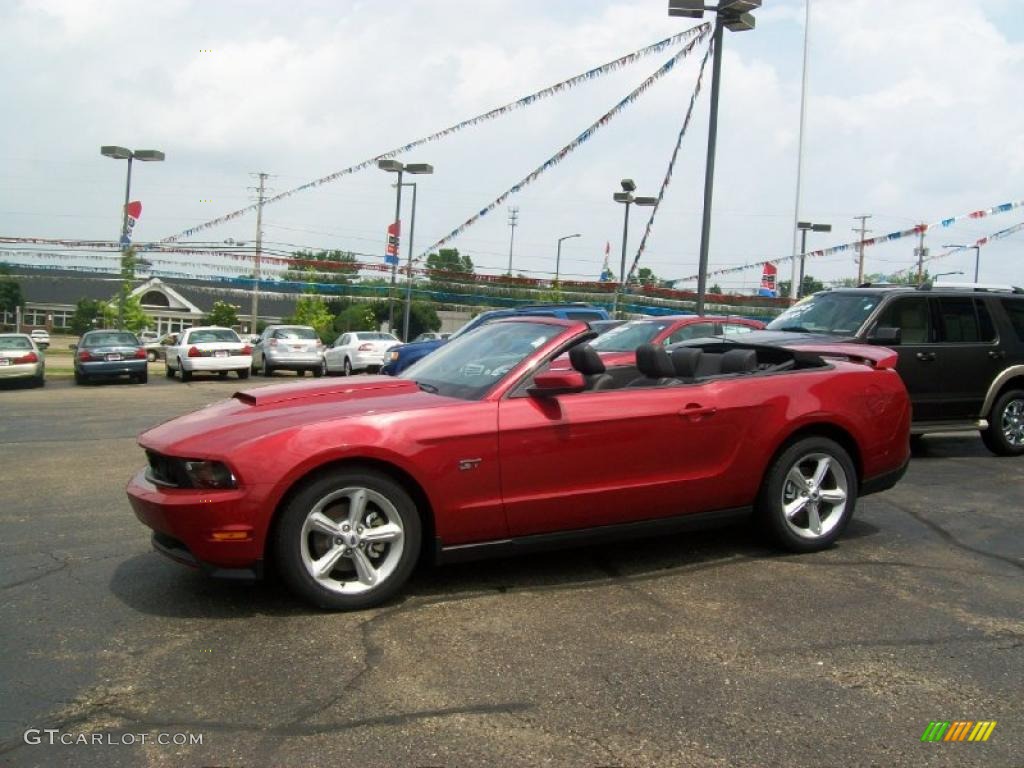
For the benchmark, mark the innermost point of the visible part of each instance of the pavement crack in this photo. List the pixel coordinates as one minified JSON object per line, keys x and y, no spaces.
{"x":62,"y":565}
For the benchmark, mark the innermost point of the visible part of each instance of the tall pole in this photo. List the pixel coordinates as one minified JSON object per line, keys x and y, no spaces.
{"x":860,"y":245}
{"x":513,"y":219}
{"x":124,"y":245}
{"x":920,"y":256}
{"x":622,"y":265}
{"x":408,"y":277}
{"x":977,"y":261}
{"x":394,"y":264}
{"x":793,"y":288}
{"x":257,"y":266}
{"x":558,"y":261}
{"x":709,"y":170}
{"x":803,"y":257}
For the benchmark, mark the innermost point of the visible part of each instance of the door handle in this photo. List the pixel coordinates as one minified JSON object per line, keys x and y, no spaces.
{"x":696,"y":412}
{"x":925,"y":356}
{"x":996,"y":354}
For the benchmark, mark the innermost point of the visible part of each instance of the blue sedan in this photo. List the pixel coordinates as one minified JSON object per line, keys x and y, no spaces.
{"x":109,"y":354}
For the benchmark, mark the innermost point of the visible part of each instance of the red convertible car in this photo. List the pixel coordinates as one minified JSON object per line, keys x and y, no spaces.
{"x":481,"y":448}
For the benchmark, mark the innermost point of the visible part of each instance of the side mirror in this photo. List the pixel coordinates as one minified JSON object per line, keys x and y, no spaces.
{"x":886,"y":337}
{"x":551,"y":383}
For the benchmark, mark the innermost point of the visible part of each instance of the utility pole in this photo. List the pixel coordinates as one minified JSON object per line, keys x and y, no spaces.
{"x":921,"y":252}
{"x":513,"y":220}
{"x":262,"y":192}
{"x":794,"y":287}
{"x":862,"y":229}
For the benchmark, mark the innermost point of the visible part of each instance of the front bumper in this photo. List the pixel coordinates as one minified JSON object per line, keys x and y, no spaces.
{"x":212,"y":530}
{"x":229,"y":363}
{"x":21,"y":371}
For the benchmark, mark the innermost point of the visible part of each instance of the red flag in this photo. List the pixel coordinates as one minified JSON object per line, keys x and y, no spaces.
{"x":134,"y":209}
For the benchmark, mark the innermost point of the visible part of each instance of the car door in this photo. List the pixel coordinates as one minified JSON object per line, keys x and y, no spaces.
{"x":615,"y":456}
{"x":969,"y":357}
{"x":335,"y":355}
{"x":918,"y":364}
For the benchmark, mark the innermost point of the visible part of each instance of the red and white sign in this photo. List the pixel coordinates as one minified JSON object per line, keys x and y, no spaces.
{"x":768,"y":276}
{"x":134,"y":211}
{"x":391,"y":253}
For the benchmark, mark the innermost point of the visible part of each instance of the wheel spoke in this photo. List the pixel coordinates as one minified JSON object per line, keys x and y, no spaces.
{"x":364,"y":568}
{"x":833,"y":496}
{"x":322,"y":568}
{"x":793,"y":508}
{"x":357,"y":507}
{"x":321,"y":523}
{"x":813,"y":519}
{"x":382,"y":534}
{"x":824,"y":463}
{"x":796,"y":477}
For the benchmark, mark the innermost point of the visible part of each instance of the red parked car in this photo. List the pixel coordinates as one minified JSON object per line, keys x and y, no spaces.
{"x":481,"y":448}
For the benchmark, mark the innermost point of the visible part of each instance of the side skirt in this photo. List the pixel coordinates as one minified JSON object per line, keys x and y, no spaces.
{"x":541,"y":542}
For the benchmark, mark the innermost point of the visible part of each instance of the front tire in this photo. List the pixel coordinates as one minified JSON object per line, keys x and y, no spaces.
{"x":347,"y":369}
{"x":808,"y":495}
{"x":348,"y":540}
{"x":1005,"y":433}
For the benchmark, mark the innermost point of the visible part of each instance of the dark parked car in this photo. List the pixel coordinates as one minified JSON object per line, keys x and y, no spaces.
{"x":401,"y":357}
{"x":961,"y":350}
{"x":483,"y":449}
{"x":110,"y":354}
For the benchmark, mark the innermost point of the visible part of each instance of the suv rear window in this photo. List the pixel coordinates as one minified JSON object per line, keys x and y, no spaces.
{"x":1014,"y":309}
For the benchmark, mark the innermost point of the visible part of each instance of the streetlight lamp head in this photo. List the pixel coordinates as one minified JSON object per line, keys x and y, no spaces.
{"x":739,"y":6}
{"x":804,"y":225}
{"x":690,"y":9}
{"x":118,"y":153}
{"x":741,"y":23}
{"x":645,"y":201}
{"x":822,"y":227}
{"x":953,"y":245}
{"x":149,"y":155}
{"x":390,"y":165}
{"x":628,"y":185}
{"x":622,"y":197}
{"x":419,"y":168}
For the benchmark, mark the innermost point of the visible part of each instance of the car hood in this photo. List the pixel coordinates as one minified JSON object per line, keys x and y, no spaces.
{"x":413,"y":346}
{"x":257,"y":413}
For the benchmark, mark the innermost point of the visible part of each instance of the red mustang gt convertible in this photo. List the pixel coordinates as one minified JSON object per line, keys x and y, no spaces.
{"x":480,"y":448}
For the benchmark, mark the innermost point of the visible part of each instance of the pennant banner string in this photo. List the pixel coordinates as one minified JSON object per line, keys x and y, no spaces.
{"x":913,"y":231}
{"x":977,"y":243}
{"x":572,"y":145}
{"x":623,"y":61}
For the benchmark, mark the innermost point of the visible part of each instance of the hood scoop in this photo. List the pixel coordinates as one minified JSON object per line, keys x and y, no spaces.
{"x":342,"y":389}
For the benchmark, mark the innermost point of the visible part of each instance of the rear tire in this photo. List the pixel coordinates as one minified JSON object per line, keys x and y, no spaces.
{"x":318,"y":372}
{"x":80,"y":378}
{"x":39,"y":381}
{"x":808,"y":495}
{"x":151,"y":356}
{"x":186,"y":376}
{"x":222,"y":374}
{"x":168,"y":371}
{"x":1005,"y":433}
{"x":243,"y":373}
{"x":267,"y":370}
{"x":334,"y":510}
{"x":142,"y":378}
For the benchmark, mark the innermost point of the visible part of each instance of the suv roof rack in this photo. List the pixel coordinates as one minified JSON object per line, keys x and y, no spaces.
{"x":555,"y":304}
{"x":979,"y":287}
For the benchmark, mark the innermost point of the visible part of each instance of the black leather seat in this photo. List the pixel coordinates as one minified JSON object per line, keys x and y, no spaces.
{"x":685,"y":361}
{"x":654,"y":362}
{"x":739,"y":361}
{"x":584,"y":358}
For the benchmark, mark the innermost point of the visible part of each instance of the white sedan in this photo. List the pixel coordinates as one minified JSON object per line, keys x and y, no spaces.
{"x":358,"y":351}
{"x":217,"y":350}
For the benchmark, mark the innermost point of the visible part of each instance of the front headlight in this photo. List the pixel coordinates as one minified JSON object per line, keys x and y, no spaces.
{"x":209,"y":474}
{"x":393,"y":356}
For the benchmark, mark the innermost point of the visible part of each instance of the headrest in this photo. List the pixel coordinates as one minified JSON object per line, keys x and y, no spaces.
{"x":654,"y":362}
{"x":584,"y":358}
{"x":739,"y":361}
{"x":685,"y":361}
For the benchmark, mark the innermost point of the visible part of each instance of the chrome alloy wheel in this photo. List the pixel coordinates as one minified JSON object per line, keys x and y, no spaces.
{"x":352,"y":540}
{"x":814,"y":495}
{"x":1013,"y":423}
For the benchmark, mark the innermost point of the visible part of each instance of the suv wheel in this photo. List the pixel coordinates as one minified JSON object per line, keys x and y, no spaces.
{"x":1005,"y":433}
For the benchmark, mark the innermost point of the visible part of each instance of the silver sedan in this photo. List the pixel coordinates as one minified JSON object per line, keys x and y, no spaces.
{"x":20,"y":358}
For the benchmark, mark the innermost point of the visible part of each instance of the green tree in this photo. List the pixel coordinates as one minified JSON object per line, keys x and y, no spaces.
{"x":715,"y":288}
{"x":135,"y":319}
{"x":448,"y":260}
{"x":646,"y":276}
{"x":811,"y":285}
{"x":312,"y":310}
{"x":10,"y":291}
{"x":357,"y":316}
{"x":334,"y":267}
{"x":422,"y":317}
{"x":87,"y":312}
{"x":223,"y":314}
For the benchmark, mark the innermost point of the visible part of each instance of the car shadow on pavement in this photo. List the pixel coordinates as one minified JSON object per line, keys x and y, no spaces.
{"x":949,"y":447}
{"x":150,"y":584}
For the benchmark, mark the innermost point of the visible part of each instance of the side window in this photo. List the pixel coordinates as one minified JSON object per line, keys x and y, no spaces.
{"x":1014,"y":309}
{"x":345,"y":340}
{"x":732,"y":329}
{"x":694,"y":331}
{"x":985,"y":324}
{"x":574,"y":315}
{"x":910,"y":315}
{"x":958,"y":320}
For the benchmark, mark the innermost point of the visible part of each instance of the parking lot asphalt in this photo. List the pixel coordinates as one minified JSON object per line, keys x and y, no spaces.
{"x":705,"y":649}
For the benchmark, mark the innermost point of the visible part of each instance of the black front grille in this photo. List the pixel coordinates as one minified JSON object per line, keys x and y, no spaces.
{"x":165,"y":470}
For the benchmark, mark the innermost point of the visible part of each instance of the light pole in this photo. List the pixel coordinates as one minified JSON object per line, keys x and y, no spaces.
{"x":805,"y":227}
{"x":627,"y":199}
{"x":731,"y":14}
{"x":393,"y":166}
{"x":977,"y":256}
{"x":122,"y":153}
{"x":408,"y":277}
{"x":943,"y":274}
{"x":558,"y":255}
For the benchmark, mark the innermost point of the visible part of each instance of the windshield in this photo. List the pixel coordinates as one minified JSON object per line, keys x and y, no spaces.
{"x":469,"y":366}
{"x":109,"y":339}
{"x":836,"y":313}
{"x":628,"y":337}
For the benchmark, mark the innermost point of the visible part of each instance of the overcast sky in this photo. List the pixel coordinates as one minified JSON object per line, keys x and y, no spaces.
{"x":914,"y":114}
